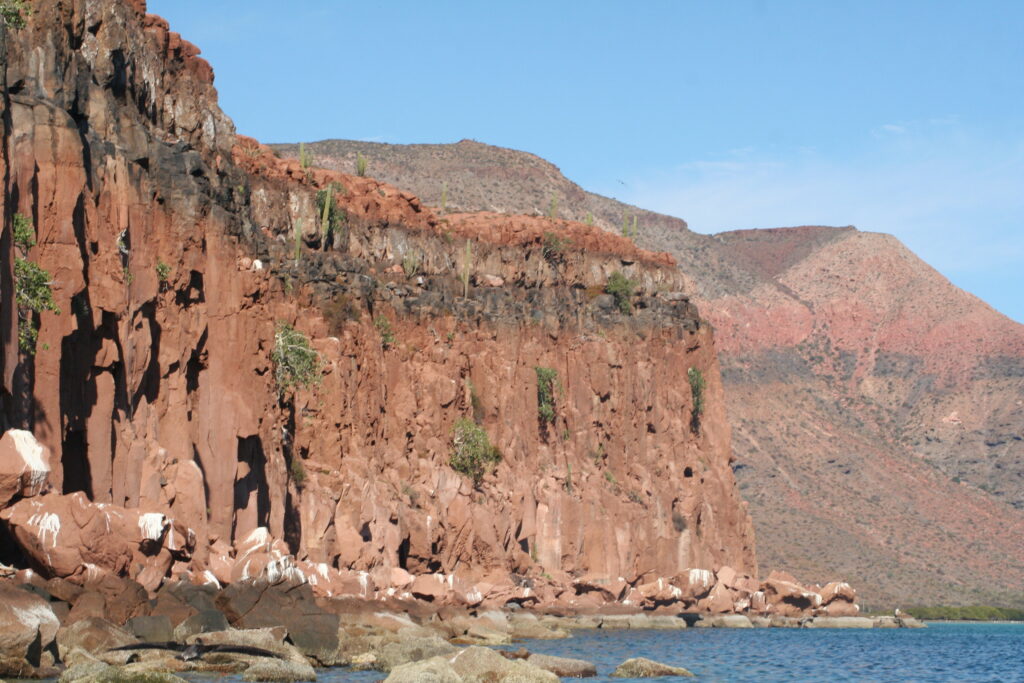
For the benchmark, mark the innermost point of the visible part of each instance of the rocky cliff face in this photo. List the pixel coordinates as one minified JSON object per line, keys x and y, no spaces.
{"x":176,"y":250}
{"x":875,"y":408}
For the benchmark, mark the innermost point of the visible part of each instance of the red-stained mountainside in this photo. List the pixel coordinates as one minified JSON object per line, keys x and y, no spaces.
{"x":877,"y":411}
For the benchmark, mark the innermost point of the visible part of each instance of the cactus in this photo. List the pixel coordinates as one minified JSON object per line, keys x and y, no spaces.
{"x":305,"y":156}
{"x":361,"y":164}
{"x":325,"y":217}
{"x":467,"y":263}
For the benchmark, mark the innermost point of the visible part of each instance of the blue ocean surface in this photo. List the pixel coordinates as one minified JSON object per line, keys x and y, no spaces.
{"x":942,"y":652}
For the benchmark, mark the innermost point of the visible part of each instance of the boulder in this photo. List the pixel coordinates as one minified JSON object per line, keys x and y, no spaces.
{"x":266,"y":669}
{"x":28,"y":627}
{"x":205,"y":621}
{"x":641,"y":667}
{"x":838,"y":590}
{"x":694,"y":584}
{"x":180,"y":600}
{"x":152,"y":629}
{"x":718,"y":601}
{"x":67,"y":535}
{"x":100,"y":672}
{"x":24,"y":466}
{"x":729,"y":621}
{"x":433,"y":670}
{"x":260,"y":603}
{"x":92,"y":635}
{"x":123,"y":599}
{"x":483,"y":665}
{"x":406,"y":650}
{"x":563,"y":667}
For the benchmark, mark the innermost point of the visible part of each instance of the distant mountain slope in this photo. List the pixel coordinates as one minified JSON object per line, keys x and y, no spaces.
{"x":877,"y":410}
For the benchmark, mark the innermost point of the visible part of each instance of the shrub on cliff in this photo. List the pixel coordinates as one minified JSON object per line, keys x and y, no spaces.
{"x":696,"y":378}
{"x":472,"y":452}
{"x":296,"y":363}
{"x":621,"y":287}
{"x":32,"y":292}
{"x":547,"y":381}
{"x":14,"y":13}
{"x":553,"y":248}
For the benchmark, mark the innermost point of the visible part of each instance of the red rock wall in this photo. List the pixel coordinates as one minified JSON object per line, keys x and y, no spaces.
{"x":160,"y":395}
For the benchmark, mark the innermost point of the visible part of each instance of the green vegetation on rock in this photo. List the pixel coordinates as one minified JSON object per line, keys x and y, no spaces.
{"x":621,"y":288}
{"x":387,"y":335}
{"x":472,"y":452}
{"x":32,"y":291}
{"x":696,"y":378}
{"x":553,"y":247}
{"x":14,"y":13}
{"x":296,"y":363}
{"x":361,"y":165}
{"x":969,"y":613}
{"x":547,"y":381}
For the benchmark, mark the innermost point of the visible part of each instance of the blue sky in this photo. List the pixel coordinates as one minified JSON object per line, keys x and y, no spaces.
{"x":901,"y":117}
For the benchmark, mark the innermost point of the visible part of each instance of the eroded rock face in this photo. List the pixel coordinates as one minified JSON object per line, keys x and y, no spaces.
{"x":175,"y":248}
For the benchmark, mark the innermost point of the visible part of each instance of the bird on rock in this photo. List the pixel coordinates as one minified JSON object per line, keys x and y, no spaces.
{"x":197,"y":649}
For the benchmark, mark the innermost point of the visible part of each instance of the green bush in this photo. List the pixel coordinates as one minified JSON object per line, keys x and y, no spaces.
{"x":163,"y":271}
{"x":472,"y":452}
{"x":32,"y":291}
{"x":553,"y":247}
{"x":361,"y":164}
{"x":547,"y":380}
{"x":14,"y":13}
{"x":296,"y":363}
{"x":24,"y":233}
{"x":621,"y":287}
{"x":696,"y":378}
{"x":387,"y":336}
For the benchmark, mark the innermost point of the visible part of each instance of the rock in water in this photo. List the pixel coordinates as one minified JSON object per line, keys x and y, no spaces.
{"x":483,"y":664}
{"x":433,"y":670}
{"x":641,"y":667}
{"x":563,"y":667}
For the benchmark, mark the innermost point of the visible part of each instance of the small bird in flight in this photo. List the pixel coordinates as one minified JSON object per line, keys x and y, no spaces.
{"x":188,"y":653}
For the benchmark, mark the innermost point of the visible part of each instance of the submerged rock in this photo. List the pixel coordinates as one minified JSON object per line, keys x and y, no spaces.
{"x":641,"y":667}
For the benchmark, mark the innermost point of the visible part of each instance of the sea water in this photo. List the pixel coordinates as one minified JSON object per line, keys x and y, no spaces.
{"x":942,"y":652}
